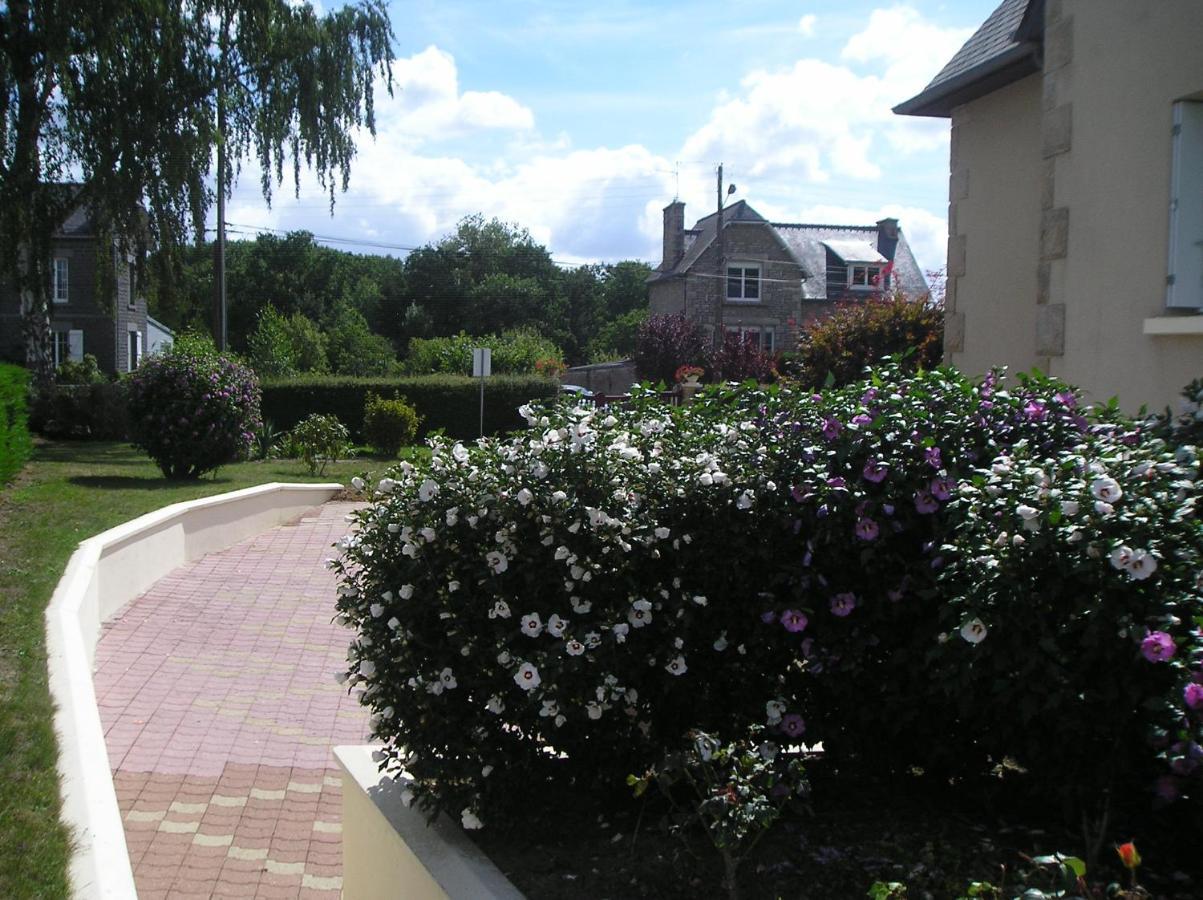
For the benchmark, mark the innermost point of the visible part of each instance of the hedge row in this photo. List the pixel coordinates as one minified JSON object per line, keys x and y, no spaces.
{"x":15,"y":444}
{"x":84,"y":411}
{"x":447,"y":402}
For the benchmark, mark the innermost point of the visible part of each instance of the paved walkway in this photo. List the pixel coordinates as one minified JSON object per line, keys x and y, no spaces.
{"x":217,"y":694}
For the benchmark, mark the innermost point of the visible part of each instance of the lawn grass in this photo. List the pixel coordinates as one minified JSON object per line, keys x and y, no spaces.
{"x":69,"y":492}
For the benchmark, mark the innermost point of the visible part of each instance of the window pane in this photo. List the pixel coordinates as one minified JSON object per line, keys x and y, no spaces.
{"x":734,"y":283}
{"x":752,"y":283}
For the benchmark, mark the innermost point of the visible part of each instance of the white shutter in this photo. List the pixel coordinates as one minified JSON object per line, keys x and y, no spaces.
{"x":75,"y":345}
{"x":1185,"y":282}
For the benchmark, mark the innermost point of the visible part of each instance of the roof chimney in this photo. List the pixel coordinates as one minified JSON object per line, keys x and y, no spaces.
{"x":674,"y":235}
{"x":887,"y":237}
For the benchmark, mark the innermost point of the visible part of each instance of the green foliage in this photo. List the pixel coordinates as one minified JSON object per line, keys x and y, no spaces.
{"x":15,"y":443}
{"x":617,"y":339}
{"x":85,"y":371}
{"x":192,"y":342}
{"x":354,"y":349}
{"x":193,"y":414}
{"x":1004,"y":575}
{"x":515,"y":352}
{"x":269,"y":349}
{"x":1186,"y":427}
{"x":295,"y":87}
{"x":320,"y":440}
{"x":97,"y":412}
{"x":836,"y":349}
{"x":308,"y":344}
{"x":389,"y":425}
{"x":449,"y":403}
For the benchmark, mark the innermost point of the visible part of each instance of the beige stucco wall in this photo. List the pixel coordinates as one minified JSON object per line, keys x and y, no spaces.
{"x":1088,"y":143}
{"x":994,"y":228}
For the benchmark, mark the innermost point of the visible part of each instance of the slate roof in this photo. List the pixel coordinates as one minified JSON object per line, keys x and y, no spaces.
{"x":1002,"y":50}
{"x":806,"y":244}
{"x":854,"y":251}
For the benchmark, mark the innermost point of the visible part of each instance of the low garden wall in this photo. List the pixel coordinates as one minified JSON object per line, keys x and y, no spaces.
{"x":105,"y":573}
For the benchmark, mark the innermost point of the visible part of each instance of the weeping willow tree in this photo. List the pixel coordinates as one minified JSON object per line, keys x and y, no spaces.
{"x":122,"y":107}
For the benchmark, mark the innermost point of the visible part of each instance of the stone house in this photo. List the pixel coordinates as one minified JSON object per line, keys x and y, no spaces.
{"x":774,"y":277}
{"x":113,"y":329}
{"x":1075,"y":225}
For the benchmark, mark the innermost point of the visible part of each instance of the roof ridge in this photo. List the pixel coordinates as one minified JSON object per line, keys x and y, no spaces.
{"x":822,"y":225}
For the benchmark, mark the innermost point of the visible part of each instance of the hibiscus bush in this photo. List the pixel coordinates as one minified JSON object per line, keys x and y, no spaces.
{"x":917,"y":570}
{"x":192,"y":411}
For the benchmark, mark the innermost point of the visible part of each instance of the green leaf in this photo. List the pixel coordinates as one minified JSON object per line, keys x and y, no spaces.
{"x":1079,"y":867}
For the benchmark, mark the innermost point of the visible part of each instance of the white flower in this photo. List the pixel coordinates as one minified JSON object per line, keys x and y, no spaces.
{"x":357,"y":483}
{"x":524,"y":497}
{"x":640,"y":613}
{"x":550,"y":709}
{"x":459,"y":453}
{"x":386,"y":485}
{"x":1103,"y":508}
{"x":497,"y":561}
{"x":700,"y":599}
{"x":495,"y":705}
{"x":1027,"y":513}
{"x":367,"y":668}
{"x":721,"y":644}
{"x":574,"y":648}
{"x":580,"y":607}
{"x":744,"y":501}
{"x":662,"y":532}
{"x":527,"y":677}
{"x":1121,"y":556}
{"x":376,"y":610}
{"x":500,"y":610}
{"x":470,"y":821}
{"x":393,"y":527}
{"x":1142,"y":565}
{"x":593,"y":709}
{"x":974,"y":631}
{"x":559,"y":496}
{"x":435,"y":688}
{"x":1106,"y":489}
{"x":486,"y":771}
{"x":452,"y":587}
{"x":428,"y":534}
{"x":767,"y":751}
{"x":1070,"y":507}
{"x":556,"y":625}
{"x":532,"y":625}
{"x":540,"y":470}
{"x":773,"y":711}
{"x":592,"y":640}
{"x":394,"y":623}
{"x":529,"y":414}
{"x":448,"y":678}
{"x":407,"y":591}
{"x":503,"y":658}
{"x":620,"y":631}
{"x":428,"y":490}
{"x":561,"y":552}
{"x":677,"y":666}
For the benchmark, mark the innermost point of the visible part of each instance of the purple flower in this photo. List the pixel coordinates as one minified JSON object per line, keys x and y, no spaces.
{"x":862,"y":419}
{"x":925,"y":502}
{"x":837,"y":482}
{"x":895,"y":594}
{"x":796,"y":493}
{"x":867,"y":530}
{"x":768,"y":617}
{"x":1066,"y":398}
{"x":831,"y":428}
{"x":868,"y":396}
{"x":793,"y":725}
{"x":1157,"y":646}
{"x":875,"y":471}
{"x":1035,"y":411}
{"x":1193,"y":695}
{"x":942,"y":488}
{"x":932,"y":455}
{"x":793,"y":620}
{"x":843,"y":604}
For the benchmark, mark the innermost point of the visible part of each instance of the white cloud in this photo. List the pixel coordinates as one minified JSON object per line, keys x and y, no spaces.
{"x":806,"y":25}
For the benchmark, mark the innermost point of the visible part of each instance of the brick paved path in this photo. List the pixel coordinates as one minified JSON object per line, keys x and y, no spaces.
{"x":217,"y":693}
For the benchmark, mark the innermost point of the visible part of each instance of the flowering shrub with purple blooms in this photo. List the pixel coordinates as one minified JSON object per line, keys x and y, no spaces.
{"x":915,"y":570}
{"x":193,"y":412}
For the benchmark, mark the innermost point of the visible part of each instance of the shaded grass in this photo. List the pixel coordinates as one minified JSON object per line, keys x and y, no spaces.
{"x":68,"y":492}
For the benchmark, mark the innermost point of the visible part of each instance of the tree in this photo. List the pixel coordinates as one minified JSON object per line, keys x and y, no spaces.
{"x":131,"y":98}
{"x":354,"y":349}
{"x":270,"y":346}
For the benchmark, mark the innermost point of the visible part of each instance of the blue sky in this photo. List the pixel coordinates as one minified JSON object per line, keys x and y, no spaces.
{"x":580,"y":121}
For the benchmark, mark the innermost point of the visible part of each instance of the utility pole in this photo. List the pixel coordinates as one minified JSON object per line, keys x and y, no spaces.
{"x":220,"y":327}
{"x":722,"y":269}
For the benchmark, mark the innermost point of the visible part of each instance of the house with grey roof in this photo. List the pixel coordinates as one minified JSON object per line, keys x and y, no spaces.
{"x":1075,"y":219}
{"x":765,"y":280}
{"x":113,"y":328}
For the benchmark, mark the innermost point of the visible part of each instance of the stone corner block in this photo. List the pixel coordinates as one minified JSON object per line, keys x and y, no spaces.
{"x":1054,"y":233}
{"x":1050,"y":330}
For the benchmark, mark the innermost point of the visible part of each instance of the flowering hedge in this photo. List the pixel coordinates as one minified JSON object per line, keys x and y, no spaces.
{"x":915,"y":570}
{"x":192,"y":412}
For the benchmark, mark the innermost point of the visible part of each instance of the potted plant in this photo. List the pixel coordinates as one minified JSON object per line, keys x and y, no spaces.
{"x":688,"y":375}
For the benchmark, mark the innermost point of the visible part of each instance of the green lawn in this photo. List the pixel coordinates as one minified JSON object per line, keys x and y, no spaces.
{"x":68,"y":492}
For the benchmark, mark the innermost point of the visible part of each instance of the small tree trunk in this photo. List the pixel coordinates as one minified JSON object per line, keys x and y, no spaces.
{"x":730,"y":879}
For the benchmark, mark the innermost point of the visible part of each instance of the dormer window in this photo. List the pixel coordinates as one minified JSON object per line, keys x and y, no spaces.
{"x":864,"y":277}
{"x":743,"y":282}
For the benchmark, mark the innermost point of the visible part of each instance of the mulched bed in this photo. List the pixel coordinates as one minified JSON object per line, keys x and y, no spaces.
{"x":936,"y":838}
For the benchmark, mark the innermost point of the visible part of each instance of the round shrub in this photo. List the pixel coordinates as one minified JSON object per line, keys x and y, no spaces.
{"x":192,"y":412}
{"x":319,"y":440}
{"x":916,"y":570}
{"x":665,"y":343}
{"x":389,"y":425}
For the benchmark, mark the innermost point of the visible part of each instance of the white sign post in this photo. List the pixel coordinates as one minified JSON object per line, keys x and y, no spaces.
{"x":482,"y":368}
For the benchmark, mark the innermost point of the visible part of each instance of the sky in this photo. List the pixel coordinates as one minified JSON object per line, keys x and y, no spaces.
{"x":580,"y":121}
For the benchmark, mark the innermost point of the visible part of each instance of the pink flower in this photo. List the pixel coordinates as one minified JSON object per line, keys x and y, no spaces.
{"x":843,"y":604}
{"x":1193,"y":695}
{"x":1158,"y":646}
{"x":793,"y":620}
{"x":793,"y":725}
{"x":867,"y":530}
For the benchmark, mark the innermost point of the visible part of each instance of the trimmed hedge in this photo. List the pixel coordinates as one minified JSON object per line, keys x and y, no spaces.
{"x":15,"y":444}
{"x":95,"y":412}
{"x":447,"y":402}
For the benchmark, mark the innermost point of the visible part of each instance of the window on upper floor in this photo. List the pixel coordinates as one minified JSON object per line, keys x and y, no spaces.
{"x":743,"y":282}
{"x":58,"y":279}
{"x":864,"y":277}
{"x":1184,"y":282}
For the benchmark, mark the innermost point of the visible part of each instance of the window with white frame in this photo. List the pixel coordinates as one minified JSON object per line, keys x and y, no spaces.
{"x":1184,"y":281}
{"x":743,"y":282}
{"x":864,"y":276}
{"x":135,"y":349}
{"x":60,"y":347}
{"x":58,"y":279}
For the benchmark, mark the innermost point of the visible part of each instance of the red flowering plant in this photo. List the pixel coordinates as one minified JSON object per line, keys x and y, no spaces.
{"x":686,"y":372}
